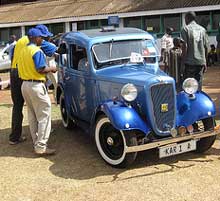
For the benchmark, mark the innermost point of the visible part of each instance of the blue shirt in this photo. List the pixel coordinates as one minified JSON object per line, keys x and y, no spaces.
{"x":48,"y":48}
{"x":39,"y":60}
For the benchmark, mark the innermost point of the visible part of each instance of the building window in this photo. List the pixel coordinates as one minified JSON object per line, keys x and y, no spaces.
{"x":215,"y":20}
{"x":133,"y":22}
{"x":4,"y":36}
{"x":152,"y":24}
{"x":15,"y":31}
{"x":27,"y":28}
{"x":57,"y":28}
{"x":104,"y":22}
{"x":172,"y":21}
{"x":92,"y":24}
{"x":203,"y":19}
{"x":7,"y":32}
{"x":81,"y":25}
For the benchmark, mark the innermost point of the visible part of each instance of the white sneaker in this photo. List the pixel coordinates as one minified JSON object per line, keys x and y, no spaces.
{"x":43,"y":152}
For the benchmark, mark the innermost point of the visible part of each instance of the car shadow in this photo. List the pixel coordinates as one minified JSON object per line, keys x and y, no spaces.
{"x":77,"y":157}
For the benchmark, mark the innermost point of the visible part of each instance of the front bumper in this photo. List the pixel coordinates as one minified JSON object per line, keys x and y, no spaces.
{"x":171,"y":140}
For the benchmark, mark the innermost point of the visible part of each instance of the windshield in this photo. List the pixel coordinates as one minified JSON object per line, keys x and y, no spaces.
{"x":120,"y":51}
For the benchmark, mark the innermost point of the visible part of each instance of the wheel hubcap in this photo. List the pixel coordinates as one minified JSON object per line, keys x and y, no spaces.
{"x":110,"y":141}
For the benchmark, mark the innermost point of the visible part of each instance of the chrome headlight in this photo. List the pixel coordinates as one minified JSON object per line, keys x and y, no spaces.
{"x":129,"y":92}
{"x":190,"y":85}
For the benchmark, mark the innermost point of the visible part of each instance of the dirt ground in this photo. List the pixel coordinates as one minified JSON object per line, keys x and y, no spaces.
{"x":77,"y":172}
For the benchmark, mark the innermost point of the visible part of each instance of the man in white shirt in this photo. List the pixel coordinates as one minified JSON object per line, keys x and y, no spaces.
{"x":166,"y":46}
{"x":10,"y":46}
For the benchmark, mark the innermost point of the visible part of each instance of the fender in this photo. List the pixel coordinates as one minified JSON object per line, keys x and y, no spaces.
{"x":123,"y":117}
{"x":190,"y":110}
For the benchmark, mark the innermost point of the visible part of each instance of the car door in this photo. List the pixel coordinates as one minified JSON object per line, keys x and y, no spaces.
{"x":78,"y":83}
{"x":63,"y":73}
{"x":5,"y":62}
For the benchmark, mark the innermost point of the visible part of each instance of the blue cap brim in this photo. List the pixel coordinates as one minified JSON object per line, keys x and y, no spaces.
{"x":50,"y":34}
{"x":44,"y":35}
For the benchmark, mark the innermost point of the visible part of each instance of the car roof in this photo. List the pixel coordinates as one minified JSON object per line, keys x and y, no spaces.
{"x":95,"y":34}
{"x":98,"y":32}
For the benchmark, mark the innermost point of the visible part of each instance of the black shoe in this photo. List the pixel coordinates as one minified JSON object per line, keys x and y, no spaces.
{"x":22,"y":139}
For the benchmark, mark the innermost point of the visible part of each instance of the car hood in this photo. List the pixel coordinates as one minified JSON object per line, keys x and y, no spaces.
{"x":135,"y":74}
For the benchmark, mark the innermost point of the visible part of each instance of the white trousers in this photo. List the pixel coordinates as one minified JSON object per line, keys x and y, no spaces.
{"x":39,"y":112}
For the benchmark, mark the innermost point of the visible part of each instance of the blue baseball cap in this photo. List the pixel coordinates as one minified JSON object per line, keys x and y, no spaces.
{"x":44,"y":30}
{"x":33,"y":32}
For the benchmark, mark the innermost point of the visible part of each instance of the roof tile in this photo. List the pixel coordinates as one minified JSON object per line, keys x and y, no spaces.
{"x":53,"y":9}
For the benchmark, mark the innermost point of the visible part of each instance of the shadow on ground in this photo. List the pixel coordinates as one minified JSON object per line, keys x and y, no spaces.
{"x":77,"y":157}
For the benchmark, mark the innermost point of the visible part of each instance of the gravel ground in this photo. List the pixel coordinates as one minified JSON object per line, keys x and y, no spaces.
{"x":77,"y":172}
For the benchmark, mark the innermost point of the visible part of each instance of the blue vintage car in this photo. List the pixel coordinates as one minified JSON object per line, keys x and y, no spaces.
{"x":110,"y":84}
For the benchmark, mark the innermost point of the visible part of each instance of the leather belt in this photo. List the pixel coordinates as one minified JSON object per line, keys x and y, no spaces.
{"x":34,"y":81}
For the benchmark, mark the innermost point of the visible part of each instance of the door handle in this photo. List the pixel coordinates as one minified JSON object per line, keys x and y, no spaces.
{"x":67,"y":78}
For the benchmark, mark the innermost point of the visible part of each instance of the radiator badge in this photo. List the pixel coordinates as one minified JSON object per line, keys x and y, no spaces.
{"x":164,"y":107}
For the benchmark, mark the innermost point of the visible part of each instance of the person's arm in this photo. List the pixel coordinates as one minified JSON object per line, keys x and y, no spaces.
{"x":47,"y":69}
{"x":48,"y":48}
{"x":11,"y":53}
{"x":163,"y":47}
{"x":183,"y":36}
{"x":5,"y":48}
{"x":11,"y":50}
{"x":206,"y":42}
{"x":40,"y":63}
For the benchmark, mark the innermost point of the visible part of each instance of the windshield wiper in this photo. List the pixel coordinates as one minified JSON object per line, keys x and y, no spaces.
{"x":110,"y":49}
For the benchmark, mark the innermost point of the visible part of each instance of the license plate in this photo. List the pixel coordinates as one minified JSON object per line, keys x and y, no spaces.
{"x":175,"y":149}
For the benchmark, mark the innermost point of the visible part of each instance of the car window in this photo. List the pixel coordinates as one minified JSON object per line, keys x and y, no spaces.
{"x":63,"y":51}
{"x":78,"y":57}
{"x":118,"y":50}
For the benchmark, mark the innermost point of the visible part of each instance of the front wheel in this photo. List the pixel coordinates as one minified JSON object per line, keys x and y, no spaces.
{"x":67,"y":122}
{"x":205,"y":143}
{"x":111,"y":143}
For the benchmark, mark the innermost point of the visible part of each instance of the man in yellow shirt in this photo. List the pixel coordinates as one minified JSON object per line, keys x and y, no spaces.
{"x":16,"y":95}
{"x":32,"y":70}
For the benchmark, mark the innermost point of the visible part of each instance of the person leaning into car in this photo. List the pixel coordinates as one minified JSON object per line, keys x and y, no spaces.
{"x":16,"y":95}
{"x":32,"y":70}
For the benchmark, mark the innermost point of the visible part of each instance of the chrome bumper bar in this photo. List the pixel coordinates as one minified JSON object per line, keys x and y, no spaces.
{"x":171,"y":140}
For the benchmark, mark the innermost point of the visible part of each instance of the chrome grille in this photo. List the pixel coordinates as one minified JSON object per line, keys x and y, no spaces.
{"x":163,"y":95}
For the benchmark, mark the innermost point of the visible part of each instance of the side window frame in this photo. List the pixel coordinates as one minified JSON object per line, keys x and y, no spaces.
{"x":77,"y":53}
{"x":63,"y":55}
